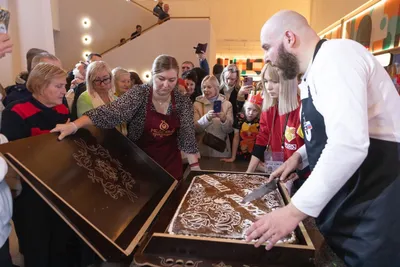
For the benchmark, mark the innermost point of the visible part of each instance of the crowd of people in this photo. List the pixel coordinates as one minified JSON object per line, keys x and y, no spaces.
{"x":331,"y":159}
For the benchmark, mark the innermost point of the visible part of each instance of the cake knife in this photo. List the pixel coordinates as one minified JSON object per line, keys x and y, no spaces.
{"x":261,"y":191}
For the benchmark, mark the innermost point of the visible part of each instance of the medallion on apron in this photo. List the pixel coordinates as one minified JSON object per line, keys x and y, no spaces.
{"x":160,"y":138}
{"x":361,"y":222}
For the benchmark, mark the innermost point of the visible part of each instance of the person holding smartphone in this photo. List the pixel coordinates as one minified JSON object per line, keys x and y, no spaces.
{"x":213,"y":120}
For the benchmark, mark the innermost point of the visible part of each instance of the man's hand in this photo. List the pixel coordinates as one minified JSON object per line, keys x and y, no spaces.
{"x":5,"y":44}
{"x":274,"y":226}
{"x":286,"y":171}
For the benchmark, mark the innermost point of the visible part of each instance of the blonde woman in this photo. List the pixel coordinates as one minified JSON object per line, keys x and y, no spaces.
{"x":208,"y":121}
{"x":122,"y":80}
{"x":280,"y":130}
{"x":100,"y":88}
{"x":157,"y":115}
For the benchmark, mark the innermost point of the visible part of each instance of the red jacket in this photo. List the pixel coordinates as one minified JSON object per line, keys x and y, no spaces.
{"x":293,"y":135}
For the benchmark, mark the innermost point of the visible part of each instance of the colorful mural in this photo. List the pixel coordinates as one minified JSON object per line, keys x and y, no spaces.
{"x":335,"y":33}
{"x":377,"y":28}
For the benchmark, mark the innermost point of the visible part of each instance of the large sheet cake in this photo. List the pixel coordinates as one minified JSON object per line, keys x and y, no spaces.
{"x":212,"y":207}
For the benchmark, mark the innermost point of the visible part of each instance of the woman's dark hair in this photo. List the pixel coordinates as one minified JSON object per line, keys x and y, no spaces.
{"x":190,"y":75}
{"x":135,"y":78}
{"x":217,"y":69}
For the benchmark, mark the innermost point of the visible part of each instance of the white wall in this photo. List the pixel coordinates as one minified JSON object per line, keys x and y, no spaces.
{"x":30,"y":26}
{"x":55,"y":12}
{"x":139,"y":54}
{"x":236,"y":23}
{"x":326,"y":12}
{"x":111,"y":20}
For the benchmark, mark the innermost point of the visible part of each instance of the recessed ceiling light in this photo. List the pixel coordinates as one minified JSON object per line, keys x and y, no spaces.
{"x":86,"y":39}
{"x":86,"y":22}
{"x":86,"y":54}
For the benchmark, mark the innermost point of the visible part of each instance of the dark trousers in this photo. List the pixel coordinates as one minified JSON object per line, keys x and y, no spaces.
{"x":5,"y":258}
{"x":44,"y":237}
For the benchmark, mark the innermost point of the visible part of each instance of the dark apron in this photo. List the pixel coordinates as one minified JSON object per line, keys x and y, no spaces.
{"x":361,"y":223}
{"x":160,"y":138}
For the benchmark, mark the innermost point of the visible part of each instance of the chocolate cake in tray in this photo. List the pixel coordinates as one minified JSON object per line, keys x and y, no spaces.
{"x":212,"y":207}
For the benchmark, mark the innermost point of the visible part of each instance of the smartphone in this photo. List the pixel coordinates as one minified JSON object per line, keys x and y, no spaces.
{"x":248,"y":81}
{"x":217,"y":106}
{"x":4,"y":20}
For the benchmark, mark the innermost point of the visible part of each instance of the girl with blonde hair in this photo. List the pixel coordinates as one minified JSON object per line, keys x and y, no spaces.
{"x":280,"y":131}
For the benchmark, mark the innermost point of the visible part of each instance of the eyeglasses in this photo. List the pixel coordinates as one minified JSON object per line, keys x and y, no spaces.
{"x":106,"y":81}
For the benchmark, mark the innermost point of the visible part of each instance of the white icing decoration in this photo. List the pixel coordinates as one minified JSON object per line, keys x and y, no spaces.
{"x":212,"y":214}
{"x":250,"y":207}
{"x":105,"y":170}
{"x":211,"y":181}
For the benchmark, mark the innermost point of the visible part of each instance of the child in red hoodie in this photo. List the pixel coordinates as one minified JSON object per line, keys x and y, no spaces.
{"x":280,"y":131}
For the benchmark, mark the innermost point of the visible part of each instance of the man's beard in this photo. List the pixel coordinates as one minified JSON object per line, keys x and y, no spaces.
{"x":288,"y":63}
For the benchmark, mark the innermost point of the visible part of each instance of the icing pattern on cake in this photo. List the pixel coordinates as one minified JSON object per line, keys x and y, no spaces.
{"x":212,"y":206}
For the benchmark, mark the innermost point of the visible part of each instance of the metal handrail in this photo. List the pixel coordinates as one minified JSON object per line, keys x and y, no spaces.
{"x":147,"y":29}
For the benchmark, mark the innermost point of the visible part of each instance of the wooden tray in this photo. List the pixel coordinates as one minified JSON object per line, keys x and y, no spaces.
{"x":163,"y":249}
{"x":100,"y":183}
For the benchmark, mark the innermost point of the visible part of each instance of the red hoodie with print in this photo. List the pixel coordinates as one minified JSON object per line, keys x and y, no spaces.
{"x":293,"y":138}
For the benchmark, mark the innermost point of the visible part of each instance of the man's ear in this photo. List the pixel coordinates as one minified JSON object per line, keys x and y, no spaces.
{"x":290,"y":39}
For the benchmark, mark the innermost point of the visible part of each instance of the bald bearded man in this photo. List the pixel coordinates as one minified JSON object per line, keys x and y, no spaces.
{"x":351,"y":120}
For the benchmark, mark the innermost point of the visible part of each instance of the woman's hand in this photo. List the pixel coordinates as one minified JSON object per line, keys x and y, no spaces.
{"x":65,"y":129}
{"x":232,"y":159}
{"x":245,"y":90}
{"x":210,"y":115}
{"x":221,"y":116}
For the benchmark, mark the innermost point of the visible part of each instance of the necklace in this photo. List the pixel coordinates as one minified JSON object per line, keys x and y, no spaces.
{"x":161,"y":103}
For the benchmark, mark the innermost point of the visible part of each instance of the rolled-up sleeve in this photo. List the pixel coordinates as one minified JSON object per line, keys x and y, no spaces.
{"x":119,"y":111}
{"x":186,"y":133}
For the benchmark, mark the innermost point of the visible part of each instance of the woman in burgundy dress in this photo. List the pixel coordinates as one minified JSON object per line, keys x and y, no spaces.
{"x":159,"y":118}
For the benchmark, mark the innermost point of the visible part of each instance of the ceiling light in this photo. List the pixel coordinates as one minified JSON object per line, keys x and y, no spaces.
{"x":147,"y":76}
{"x":86,"y":39}
{"x":86,"y":54}
{"x":86,"y":23}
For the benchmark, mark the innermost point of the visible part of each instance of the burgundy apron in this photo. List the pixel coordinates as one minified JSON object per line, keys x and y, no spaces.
{"x":160,"y":139}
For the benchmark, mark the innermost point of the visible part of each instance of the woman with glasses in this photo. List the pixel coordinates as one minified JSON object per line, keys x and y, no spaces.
{"x":160,"y":119}
{"x":100,"y":89}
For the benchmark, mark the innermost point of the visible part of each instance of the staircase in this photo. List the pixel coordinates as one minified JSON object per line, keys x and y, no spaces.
{"x":175,"y":37}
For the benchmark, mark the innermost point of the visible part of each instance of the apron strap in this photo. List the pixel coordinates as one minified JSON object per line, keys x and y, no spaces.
{"x":317,"y":47}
